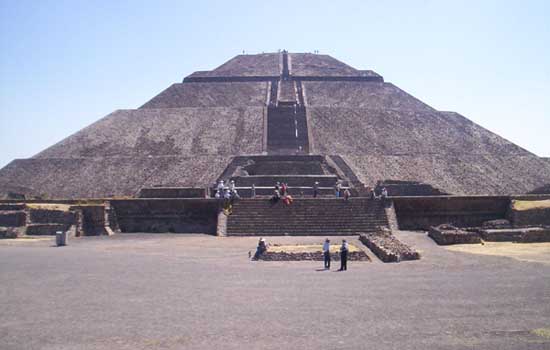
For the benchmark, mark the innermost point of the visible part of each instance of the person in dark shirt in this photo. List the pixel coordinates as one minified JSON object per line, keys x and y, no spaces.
{"x":344,"y":256}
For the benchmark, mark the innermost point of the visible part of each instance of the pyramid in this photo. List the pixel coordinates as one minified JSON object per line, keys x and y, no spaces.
{"x":277,"y":104}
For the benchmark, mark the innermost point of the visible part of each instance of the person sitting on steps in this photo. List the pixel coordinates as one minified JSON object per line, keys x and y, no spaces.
{"x":276,"y":196}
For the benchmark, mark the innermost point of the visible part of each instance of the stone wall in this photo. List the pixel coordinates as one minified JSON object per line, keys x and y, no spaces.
{"x":420,"y":213}
{"x":12,"y":218}
{"x":447,"y":234}
{"x":172,"y":192}
{"x":167,"y":215}
{"x":93,"y":219}
{"x":530,"y":217}
{"x":407,"y":188}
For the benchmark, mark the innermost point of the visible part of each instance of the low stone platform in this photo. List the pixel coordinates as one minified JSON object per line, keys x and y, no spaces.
{"x":388,"y":248}
{"x":521,"y":235}
{"x":310,"y":252}
{"x":447,"y":234}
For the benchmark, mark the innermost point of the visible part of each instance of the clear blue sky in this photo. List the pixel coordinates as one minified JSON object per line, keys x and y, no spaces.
{"x":65,"y":64}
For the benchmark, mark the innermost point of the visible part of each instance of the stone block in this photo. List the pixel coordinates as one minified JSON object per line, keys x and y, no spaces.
{"x":45,"y":229}
{"x":496,"y":224}
{"x":13,"y":218}
{"x":448,"y":234}
{"x":521,"y":235}
{"x":47,"y":216}
{"x":11,"y":232}
{"x":387,"y":247}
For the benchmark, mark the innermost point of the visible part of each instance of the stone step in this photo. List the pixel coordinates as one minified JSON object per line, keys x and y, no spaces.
{"x":306,"y":217}
{"x":300,"y":233}
{"x":291,"y":180}
{"x":12,"y":206}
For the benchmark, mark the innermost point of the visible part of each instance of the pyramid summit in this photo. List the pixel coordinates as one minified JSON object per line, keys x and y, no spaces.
{"x":293,"y":114}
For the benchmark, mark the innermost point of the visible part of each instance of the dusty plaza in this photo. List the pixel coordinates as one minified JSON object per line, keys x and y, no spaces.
{"x":207,"y":219}
{"x":167,"y":291}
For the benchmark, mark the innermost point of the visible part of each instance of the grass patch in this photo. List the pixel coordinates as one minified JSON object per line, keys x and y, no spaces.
{"x":542,"y":332}
{"x":531,"y":252}
{"x":49,"y":206}
{"x":528,"y":205}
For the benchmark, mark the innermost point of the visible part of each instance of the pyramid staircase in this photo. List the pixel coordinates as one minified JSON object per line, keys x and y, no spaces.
{"x":307,"y":217}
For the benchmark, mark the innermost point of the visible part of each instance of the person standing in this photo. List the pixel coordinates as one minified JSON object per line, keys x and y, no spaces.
{"x":253,"y":191}
{"x":384,"y":193}
{"x":344,"y":256}
{"x":315,"y":189}
{"x":326,"y":253}
{"x":347,"y":194}
{"x":337,"y":188}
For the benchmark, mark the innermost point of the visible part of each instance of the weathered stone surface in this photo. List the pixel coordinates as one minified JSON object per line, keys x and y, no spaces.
{"x":167,"y":215}
{"x":89,"y":219}
{"x":496,"y":224}
{"x":265,"y":64}
{"x":308,"y":64}
{"x":353,"y":94}
{"x":421,"y":213}
{"x":534,"y":216}
{"x":544,"y":189}
{"x":46,"y":216}
{"x":520,"y":235}
{"x":172,"y":192}
{"x":187,"y":134}
{"x":314,"y":256}
{"x":231,"y":94}
{"x":11,"y":232}
{"x":12,"y":206}
{"x":448,"y":234}
{"x":12,"y":218}
{"x":111,"y":176}
{"x":387,"y":247}
{"x":46,"y":229}
{"x":166,"y":132}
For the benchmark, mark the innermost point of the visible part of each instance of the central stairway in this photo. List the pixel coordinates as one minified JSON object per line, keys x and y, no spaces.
{"x":306,"y":217}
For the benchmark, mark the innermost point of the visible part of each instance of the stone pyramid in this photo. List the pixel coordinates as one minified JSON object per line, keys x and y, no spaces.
{"x":277,"y":104}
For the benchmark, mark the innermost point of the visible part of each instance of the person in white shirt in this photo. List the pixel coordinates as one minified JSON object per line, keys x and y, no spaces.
{"x":326,"y":253}
{"x":220,"y":186}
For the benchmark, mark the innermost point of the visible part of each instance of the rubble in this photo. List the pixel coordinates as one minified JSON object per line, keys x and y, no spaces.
{"x":387,"y":247}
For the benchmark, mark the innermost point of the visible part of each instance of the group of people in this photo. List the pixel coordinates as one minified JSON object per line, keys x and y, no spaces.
{"x":339,"y":193}
{"x":281,"y":193}
{"x":372,"y":193}
{"x":344,"y":250}
{"x":228,"y":193}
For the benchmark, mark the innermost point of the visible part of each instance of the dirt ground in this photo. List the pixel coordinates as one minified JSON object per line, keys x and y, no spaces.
{"x":532,"y":252}
{"x":170,"y":291}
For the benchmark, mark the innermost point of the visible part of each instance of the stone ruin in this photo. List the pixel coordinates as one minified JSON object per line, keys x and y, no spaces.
{"x":295,"y":109}
{"x":297,"y":118}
